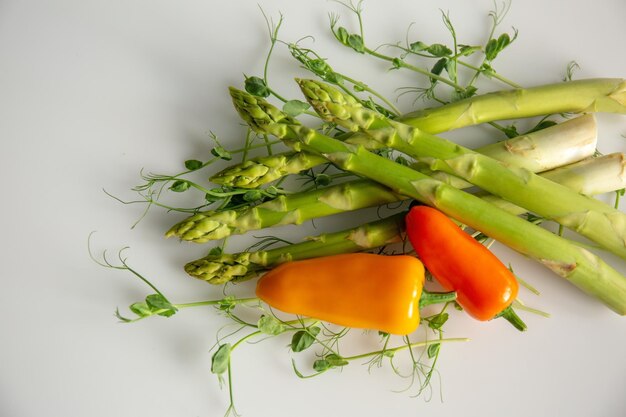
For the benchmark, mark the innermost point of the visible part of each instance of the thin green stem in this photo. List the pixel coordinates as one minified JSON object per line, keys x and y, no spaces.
{"x":521,"y":306}
{"x":365,"y":87}
{"x":460,"y":62}
{"x":406,"y":346}
{"x":495,"y":75}
{"x":273,"y":33}
{"x":215,"y":302}
{"x":414,"y":68}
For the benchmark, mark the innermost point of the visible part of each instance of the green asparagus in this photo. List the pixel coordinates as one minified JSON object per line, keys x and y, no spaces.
{"x":258,"y":171}
{"x":286,"y":209}
{"x":218,"y":269}
{"x":581,"y":96}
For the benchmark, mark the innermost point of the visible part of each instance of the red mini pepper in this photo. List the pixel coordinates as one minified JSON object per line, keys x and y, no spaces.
{"x":485,"y":287}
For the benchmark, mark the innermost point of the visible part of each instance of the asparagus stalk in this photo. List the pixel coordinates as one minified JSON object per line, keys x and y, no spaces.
{"x":285,"y":209}
{"x":591,"y":218}
{"x":590,"y":176}
{"x":218,"y":269}
{"x":581,"y":96}
{"x":571,"y":140}
{"x":559,"y":145}
{"x":572,"y":262}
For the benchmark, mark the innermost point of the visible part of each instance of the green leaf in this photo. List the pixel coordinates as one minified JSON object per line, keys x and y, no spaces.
{"x":467,"y":50}
{"x":331,"y":360}
{"x":402,"y":161}
{"x":303,"y":339}
{"x":389,"y":353}
{"x":216,"y":251}
{"x":221,"y":359}
{"x":433,"y":350}
{"x":436,"y":322}
{"x":272,"y":190}
{"x":510,"y":131}
{"x":463,"y":94}
{"x":252,"y":195}
{"x":270,"y":325}
{"x":495,"y":46}
{"x":179,"y":186}
{"x":160,"y":305}
{"x":227,"y":303}
{"x":141,"y":309}
{"x":319,"y":67}
{"x":418,"y":46}
{"x":333,"y":78}
{"x":487,"y":70}
{"x":397,"y":63}
{"x":439,"y":66}
{"x":439,"y":50}
{"x":321,"y":365}
{"x":323,"y":180}
{"x":257,"y":87}
{"x":343,"y":35}
{"x":359,"y":87}
{"x":451,"y":68}
{"x":193,"y":164}
{"x":335,"y":360}
{"x":211,"y":198}
{"x":221,"y":153}
{"x":356,"y":43}
{"x":295,"y":107}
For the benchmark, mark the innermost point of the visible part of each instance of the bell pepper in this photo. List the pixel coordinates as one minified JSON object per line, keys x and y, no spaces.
{"x":359,"y":290}
{"x":485,"y":287}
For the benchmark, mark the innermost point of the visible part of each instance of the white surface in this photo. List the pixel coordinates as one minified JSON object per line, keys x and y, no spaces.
{"x":92,"y":91}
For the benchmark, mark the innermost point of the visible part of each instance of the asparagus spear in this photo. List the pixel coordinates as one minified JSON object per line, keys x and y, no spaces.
{"x":591,"y":218}
{"x":258,"y":171}
{"x":534,"y":151}
{"x":572,"y":262}
{"x":285,"y":209}
{"x":591,"y":176}
{"x":218,"y":269}
{"x":581,"y":96}
{"x":562,"y":144}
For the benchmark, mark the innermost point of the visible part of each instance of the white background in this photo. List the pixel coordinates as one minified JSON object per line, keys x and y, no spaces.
{"x":93,"y":91}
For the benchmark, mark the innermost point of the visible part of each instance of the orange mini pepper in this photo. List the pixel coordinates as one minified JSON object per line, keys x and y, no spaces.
{"x":358,"y":290}
{"x":485,"y":287}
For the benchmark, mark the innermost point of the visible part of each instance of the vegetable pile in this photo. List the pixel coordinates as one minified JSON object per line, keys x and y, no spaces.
{"x":447,"y":204}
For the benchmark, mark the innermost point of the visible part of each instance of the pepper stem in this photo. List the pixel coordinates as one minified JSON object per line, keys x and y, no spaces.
{"x":511,"y":316}
{"x":427,"y":298}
